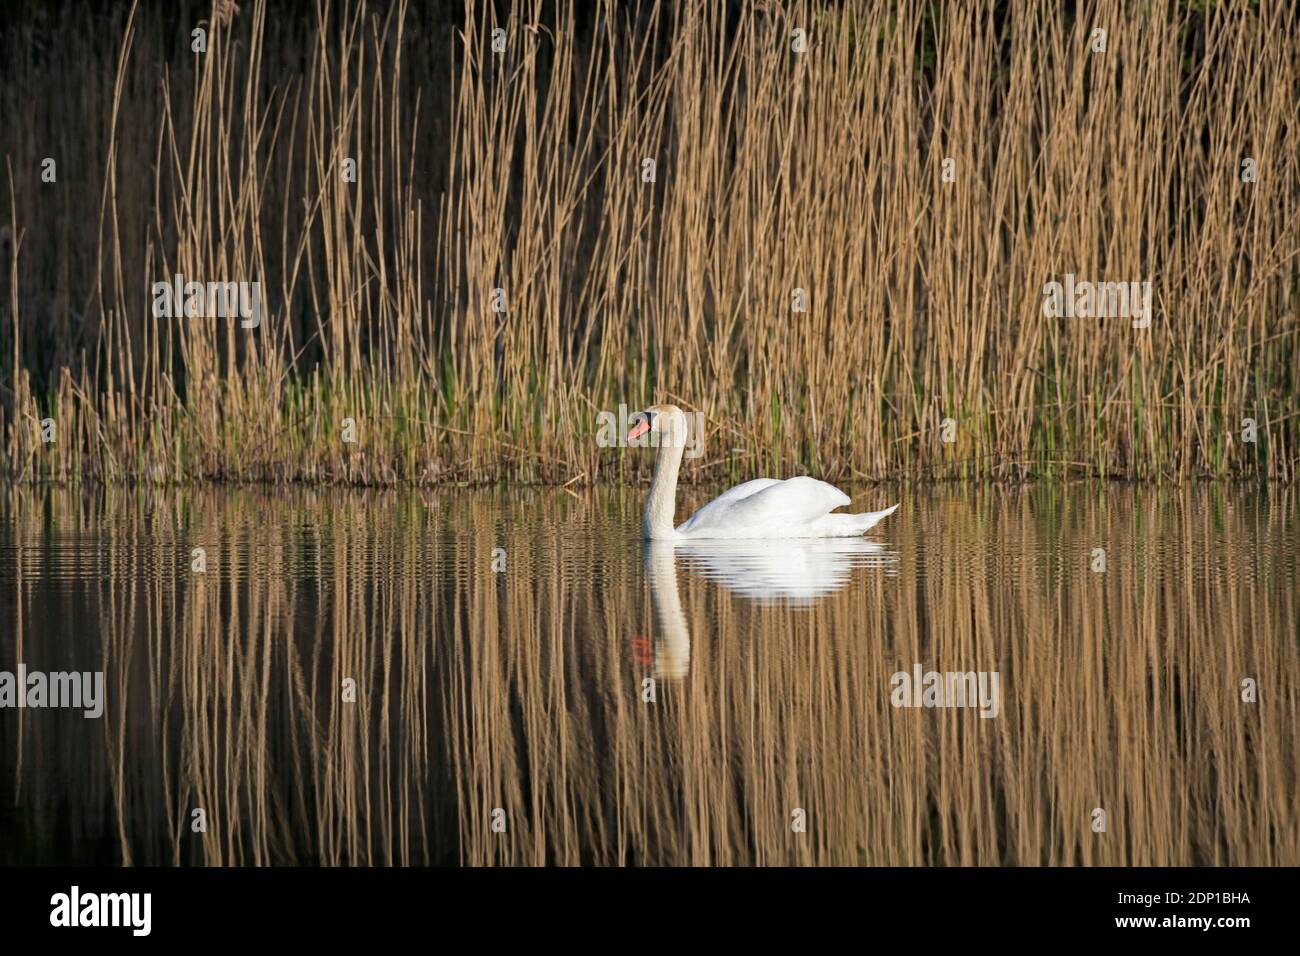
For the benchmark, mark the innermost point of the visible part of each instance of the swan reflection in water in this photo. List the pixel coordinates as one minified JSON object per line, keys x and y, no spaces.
{"x":796,"y":572}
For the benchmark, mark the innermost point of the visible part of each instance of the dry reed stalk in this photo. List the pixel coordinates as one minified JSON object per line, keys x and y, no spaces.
{"x":775,"y":171}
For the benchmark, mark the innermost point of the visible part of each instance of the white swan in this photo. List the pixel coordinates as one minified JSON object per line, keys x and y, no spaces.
{"x":762,"y":508}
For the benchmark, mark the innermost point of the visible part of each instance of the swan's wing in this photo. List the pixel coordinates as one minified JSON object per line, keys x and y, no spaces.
{"x":743,"y":490}
{"x":715,"y":509}
{"x":777,"y":504}
{"x":793,"y":501}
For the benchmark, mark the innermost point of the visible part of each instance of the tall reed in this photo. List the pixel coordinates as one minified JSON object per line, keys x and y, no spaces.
{"x":525,"y":171}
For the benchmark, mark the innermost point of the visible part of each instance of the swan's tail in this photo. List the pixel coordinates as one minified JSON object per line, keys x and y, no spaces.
{"x":845,"y":526}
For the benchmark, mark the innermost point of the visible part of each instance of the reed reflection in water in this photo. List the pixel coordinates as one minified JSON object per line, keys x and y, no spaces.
{"x":501,"y":642}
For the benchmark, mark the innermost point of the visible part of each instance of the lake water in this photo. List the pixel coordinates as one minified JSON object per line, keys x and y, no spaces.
{"x":508,"y":676}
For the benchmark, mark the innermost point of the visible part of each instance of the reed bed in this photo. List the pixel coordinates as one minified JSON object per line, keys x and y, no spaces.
{"x":525,"y":171}
{"x":519,"y":688}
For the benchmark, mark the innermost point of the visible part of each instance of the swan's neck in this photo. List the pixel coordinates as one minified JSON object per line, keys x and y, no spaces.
{"x":657,"y":518}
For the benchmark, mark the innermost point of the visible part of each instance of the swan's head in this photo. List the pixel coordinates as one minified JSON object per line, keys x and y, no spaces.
{"x":665,"y":423}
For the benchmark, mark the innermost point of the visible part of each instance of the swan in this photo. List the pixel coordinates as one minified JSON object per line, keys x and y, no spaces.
{"x":762,"y":508}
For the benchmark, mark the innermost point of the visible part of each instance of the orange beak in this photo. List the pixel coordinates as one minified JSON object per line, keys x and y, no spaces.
{"x":639,"y":429}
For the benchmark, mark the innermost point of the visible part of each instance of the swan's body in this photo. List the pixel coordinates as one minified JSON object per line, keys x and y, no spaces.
{"x":762,"y":508}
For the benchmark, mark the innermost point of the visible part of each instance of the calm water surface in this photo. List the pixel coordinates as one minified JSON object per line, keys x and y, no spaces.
{"x":509,"y":677}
